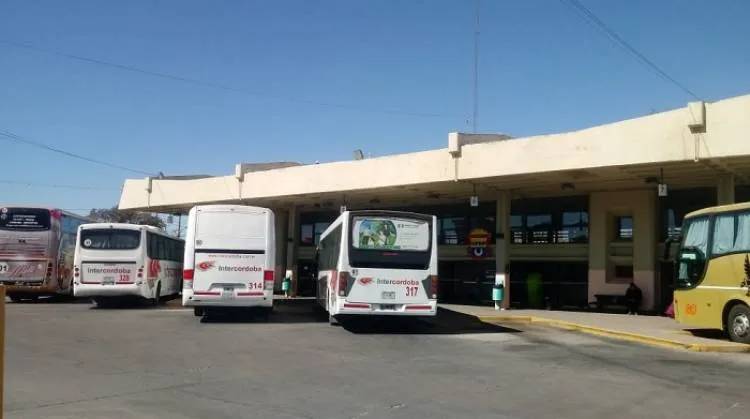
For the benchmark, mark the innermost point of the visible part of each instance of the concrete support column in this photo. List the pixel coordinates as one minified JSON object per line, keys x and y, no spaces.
{"x":281,"y":224}
{"x":292,"y":242}
{"x":725,"y":189}
{"x":606,"y":252}
{"x":502,"y":242}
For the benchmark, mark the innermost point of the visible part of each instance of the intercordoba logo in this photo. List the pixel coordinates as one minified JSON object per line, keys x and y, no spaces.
{"x":365,"y":281}
{"x":204,"y":266}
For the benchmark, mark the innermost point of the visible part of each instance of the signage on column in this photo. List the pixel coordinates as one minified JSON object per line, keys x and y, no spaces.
{"x":479,"y":239}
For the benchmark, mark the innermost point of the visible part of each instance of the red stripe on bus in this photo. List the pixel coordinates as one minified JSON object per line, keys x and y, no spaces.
{"x":419,"y":307}
{"x":206,"y":293}
{"x":355,"y":305}
{"x":250,"y":294}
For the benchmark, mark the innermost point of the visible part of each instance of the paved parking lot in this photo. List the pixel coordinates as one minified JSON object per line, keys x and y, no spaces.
{"x":67,"y":360}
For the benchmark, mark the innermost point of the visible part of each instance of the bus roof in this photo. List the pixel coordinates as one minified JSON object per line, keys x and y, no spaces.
{"x":125,"y":226}
{"x":719,"y":209}
{"x":47,"y":207}
{"x":230,"y":207}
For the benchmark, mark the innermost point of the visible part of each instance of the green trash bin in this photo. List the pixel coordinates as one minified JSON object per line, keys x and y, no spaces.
{"x":535,"y":290}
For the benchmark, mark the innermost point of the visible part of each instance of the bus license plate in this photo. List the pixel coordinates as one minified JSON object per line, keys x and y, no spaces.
{"x":228,"y":293}
{"x":389,"y":295}
{"x":108,"y":280}
{"x":390,"y":307}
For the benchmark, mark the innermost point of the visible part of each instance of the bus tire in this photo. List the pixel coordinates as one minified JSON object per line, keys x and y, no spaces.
{"x":198,"y":311}
{"x":157,"y":295}
{"x":738,"y":324}
{"x":333,"y":321}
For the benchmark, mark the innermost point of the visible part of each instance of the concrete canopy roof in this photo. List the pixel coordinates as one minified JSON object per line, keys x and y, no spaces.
{"x":692,"y":145}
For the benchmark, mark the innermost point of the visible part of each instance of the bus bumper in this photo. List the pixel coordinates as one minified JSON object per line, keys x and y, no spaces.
{"x":98,"y":290}
{"x":239,"y":299}
{"x":375,"y":309}
{"x":28,"y":289}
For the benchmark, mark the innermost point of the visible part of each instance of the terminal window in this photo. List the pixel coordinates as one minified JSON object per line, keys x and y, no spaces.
{"x":624,"y":227}
{"x":310,"y":231}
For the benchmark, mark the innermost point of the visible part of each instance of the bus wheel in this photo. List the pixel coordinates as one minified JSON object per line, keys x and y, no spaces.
{"x":332,"y":320}
{"x":738,"y":323}
{"x":198,"y":311}
{"x":157,"y":295}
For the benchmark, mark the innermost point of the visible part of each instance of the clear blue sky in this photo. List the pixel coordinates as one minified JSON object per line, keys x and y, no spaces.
{"x":542,"y":69}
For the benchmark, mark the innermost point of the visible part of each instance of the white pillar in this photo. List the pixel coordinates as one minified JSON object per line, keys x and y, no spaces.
{"x":502,"y":242}
{"x":281,"y":226}
{"x":292,"y":243}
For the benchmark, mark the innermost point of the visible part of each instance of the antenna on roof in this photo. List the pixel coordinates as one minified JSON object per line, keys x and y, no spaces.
{"x":475,"y":112}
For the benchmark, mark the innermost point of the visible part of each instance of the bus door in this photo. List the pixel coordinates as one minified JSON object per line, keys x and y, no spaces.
{"x":697,"y":305}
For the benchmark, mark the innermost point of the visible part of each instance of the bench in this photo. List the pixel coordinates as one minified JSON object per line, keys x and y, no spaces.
{"x":610,"y":300}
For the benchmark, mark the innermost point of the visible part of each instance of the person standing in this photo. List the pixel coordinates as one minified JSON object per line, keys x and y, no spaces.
{"x":633,"y":298}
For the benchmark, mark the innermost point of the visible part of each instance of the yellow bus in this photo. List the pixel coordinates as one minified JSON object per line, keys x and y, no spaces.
{"x":712,"y":287}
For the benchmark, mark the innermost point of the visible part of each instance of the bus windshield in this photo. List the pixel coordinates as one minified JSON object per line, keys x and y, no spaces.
{"x":390,"y":242}
{"x":24,"y":219}
{"x":110,"y":239}
{"x":696,"y":238}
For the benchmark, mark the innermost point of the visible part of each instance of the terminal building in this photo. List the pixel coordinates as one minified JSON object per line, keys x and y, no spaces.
{"x":568,"y":216}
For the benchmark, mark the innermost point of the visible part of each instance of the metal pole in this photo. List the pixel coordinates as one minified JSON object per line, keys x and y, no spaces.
{"x":475,"y":112}
{"x":2,"y":347}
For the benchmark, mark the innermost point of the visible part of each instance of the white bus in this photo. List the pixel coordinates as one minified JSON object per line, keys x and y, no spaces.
{"x":229,"y":258}
{"x":114,"y":260}
{"x":36,"y":250}
{"x":378,"y":263}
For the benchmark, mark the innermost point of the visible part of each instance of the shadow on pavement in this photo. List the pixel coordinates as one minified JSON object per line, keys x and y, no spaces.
{"x":132,"y":303}
{"x":708,"y":333}
{"x":285,"y":311}
{"x":49,"y":299}
{"x":446,"y":322}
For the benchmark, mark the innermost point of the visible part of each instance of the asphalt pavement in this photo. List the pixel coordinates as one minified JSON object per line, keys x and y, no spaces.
{"x":70,"y":360}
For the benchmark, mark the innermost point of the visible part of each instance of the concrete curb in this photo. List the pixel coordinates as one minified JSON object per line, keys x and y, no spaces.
{"x":618,"y":334}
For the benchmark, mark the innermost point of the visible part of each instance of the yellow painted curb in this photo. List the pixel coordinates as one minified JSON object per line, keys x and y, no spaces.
{"x":617,"y":334}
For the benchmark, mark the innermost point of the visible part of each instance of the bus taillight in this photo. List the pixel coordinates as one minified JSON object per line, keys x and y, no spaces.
{"x":140,"y":272}
{"x":76,"y":272}
{"x":433,"y":287}
{"x":187,"y":279}
{"x":343,"y":283}
{"x":268,"y":277}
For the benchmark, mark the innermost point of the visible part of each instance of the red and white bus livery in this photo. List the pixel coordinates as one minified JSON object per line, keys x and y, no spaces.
{"x":378,"y":263}
{"x":36,"y":250}
{"x":229,"y":258}
{"x":114,"y":260}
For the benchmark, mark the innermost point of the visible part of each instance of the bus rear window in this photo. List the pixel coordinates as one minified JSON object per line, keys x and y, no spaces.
{"x":379,"y":233}
{"x":110,"y":239}
{"x":24,"y":219}
{"x":390,"y":243}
